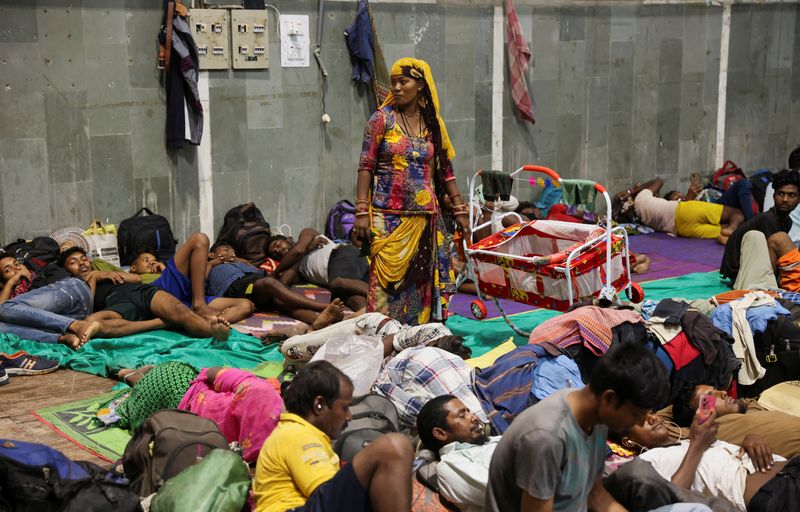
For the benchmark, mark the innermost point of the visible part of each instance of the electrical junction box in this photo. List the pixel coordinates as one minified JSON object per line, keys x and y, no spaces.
{"x":249,"y":39}
{"x":210,"y":32}
{"x":295,"y":41}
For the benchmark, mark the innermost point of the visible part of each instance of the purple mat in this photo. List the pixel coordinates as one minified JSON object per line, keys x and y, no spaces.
{"x":697,"y":250}
{"x":662,"y":267}
{"x":459,"y":305}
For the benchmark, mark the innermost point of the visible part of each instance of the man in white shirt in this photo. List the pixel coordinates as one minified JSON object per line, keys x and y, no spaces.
{"x":446,"y":426}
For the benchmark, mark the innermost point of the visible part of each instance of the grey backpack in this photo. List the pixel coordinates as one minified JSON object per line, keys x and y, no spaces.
{"x":373,"y":416}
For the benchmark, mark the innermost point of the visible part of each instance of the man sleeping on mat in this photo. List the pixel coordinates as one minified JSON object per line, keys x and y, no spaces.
{"x":320,"y":261}
{"x":685,"y":218}
{"x":229,"y":276}
{"x":184,"y":276}
{"x":124,"y":306}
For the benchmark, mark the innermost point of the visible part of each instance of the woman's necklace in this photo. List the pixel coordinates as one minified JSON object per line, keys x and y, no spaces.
{"x":407,"y":128}
{"x":416,"y":147}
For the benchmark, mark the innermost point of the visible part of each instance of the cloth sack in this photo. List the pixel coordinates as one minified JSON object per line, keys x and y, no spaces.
{"x":102,"y":240}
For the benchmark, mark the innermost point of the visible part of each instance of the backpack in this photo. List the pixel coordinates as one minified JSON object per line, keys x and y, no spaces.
{"x":34,"y":477}
{"x":164,"y":445}
{"x":761,"y":180}
{"x":727,"y":175}
{"x":373,"y":416}
{"x":246,"y":229}
{"x":219,"y":482}
{"x":42,"y":248}
{"x":149,"y":232}
{"x":340,"y":220}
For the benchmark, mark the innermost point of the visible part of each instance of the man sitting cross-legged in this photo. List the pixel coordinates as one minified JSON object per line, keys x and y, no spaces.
{"x":184,"y":276}
{"x":233,"y":277}
{"x":124,"y":306}
{"x":761,"y":249}
{"x":297,"y":469}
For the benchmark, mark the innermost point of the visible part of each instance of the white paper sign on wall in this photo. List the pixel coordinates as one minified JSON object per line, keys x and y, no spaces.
{"x":295,"y":41}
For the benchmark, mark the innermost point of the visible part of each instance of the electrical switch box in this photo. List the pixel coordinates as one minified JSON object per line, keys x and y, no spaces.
{"x":249,"y":39}
{"x":295,"y":41}
{"x":210,"y":33}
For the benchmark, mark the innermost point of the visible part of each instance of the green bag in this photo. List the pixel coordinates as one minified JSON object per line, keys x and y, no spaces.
{"x":218,"y":483}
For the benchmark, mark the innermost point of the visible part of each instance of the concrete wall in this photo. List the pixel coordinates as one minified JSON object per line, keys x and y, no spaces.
{"x":621,"y":93}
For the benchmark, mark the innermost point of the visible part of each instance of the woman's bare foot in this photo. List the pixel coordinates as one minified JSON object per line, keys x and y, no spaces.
{"x":220,"y":328}
{"x":130,"y":376}
{"x":330,"y":315}
{"x":70,"y":340}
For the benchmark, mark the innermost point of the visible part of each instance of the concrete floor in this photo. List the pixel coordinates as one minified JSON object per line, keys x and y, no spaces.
{"x":25,"y":394}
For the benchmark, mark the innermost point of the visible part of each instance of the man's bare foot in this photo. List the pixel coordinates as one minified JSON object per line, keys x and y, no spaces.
{"x":279,"y":335}
{"x":85,"y":330}
{"x":642,"y":264}
{"x":330,"y":315}
{"x":220,"y":328}
{"x":70,"y":340}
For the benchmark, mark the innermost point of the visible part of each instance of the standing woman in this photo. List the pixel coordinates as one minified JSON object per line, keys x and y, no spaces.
{"x":404,"y":172}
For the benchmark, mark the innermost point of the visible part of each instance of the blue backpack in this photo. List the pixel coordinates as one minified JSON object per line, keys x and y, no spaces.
{"x":34,"y":477}
{"x":340,"y":221}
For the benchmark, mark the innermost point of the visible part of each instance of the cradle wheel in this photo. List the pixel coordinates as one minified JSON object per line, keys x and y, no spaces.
{"x":635,"y":293}
{"x":478,"y":309}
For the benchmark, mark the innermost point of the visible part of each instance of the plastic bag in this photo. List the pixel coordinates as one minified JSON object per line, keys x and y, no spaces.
{"x":102,"y":240}
{"x":358,"y":357}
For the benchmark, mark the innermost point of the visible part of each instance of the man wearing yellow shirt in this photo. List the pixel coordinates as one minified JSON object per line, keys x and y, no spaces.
{"x":298,"y":470}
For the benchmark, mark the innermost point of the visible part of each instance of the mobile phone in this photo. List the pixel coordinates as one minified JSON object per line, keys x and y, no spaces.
{"x":707,"y":405}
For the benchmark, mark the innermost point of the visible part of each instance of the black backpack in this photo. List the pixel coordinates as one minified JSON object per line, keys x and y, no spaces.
{"x":167,"y":443}
{"x":778,"y":350}
{"x":37,"y":478}
{"x":247,"y":231}
{"x":373,"y":416}
{"x":761,"y":180}
{"x":149,"y":232}
{"x":42,"y":248}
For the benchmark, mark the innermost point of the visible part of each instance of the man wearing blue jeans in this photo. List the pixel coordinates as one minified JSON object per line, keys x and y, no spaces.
{"x":50,"y":314}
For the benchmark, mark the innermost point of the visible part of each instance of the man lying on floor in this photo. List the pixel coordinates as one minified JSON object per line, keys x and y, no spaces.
{"x":320,"y":261}
{"x":689,"y":219}
{"x":230,"y":276}
{"x":760,"y":249}
{"x":124,"y":306}
{"x":51,"y":313}
{"x":184,"y":277}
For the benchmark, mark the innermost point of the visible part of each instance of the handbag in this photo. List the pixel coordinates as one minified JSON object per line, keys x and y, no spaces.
{"x":103,"y":242}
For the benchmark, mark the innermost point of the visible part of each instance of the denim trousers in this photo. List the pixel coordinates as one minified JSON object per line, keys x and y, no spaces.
{"x":45,"y":313}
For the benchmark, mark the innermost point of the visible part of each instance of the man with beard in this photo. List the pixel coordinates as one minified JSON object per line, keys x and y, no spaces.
{"x":760,"y":249}
{"x":446,"y":426}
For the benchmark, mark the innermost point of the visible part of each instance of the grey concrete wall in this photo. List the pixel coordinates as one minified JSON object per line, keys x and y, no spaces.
{"x":621,"y":93}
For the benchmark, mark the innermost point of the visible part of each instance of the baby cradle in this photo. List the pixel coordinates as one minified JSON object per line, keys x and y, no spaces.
{"x":548,"y":263}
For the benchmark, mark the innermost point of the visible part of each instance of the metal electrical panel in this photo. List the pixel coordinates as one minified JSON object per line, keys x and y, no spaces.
{"x":210,"y":31}
{"x":249,"y":39}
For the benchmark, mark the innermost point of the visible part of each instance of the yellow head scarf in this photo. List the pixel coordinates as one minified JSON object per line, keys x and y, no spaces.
{"x":421,"y":67}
